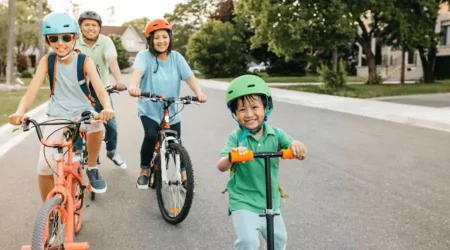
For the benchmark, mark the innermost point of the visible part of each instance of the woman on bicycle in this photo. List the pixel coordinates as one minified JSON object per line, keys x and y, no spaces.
{"x":158,"y":70}
{"x":67,"y":100}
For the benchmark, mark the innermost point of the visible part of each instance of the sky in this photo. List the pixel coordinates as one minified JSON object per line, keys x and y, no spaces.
{"x":124,"y":10}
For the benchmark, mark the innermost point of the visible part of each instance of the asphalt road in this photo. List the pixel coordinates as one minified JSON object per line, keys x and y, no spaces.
{"x":366,"y":184}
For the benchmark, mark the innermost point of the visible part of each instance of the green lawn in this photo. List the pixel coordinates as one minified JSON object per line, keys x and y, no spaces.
{"x":370,"y":91}
{"x":288,"y":79}
{"x":10,"y":100}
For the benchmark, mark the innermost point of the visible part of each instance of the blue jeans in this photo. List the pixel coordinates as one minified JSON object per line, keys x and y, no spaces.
{"x":110,"y":137}
{"x":248,"y":225}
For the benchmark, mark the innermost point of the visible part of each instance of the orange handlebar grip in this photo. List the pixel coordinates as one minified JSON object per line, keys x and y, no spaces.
{"x":287,"y":154}
{"x":234,"y":156}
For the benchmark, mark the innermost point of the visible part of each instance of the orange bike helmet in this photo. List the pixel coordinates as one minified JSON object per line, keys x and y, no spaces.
{"x":157,"y":24}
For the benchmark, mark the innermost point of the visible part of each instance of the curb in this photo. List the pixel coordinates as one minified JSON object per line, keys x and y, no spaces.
{"x":8,"y":127}
{"x":419,"y":116}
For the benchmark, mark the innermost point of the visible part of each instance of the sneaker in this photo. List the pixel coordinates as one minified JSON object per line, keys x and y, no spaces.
{"x":98,"y":185}
{"x":118,"y":161}
{"x":142,"y":182}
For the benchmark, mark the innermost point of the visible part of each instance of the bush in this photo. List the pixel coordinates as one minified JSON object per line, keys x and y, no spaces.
{"x":27,"y":74}
{"x":217,"y":50}
{"x":122,"y":54}
{"x":333,"y":79}
{"x":291,"y":68}
{"x":22,"y":63}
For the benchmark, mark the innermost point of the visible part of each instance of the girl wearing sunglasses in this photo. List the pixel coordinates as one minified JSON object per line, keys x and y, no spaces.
{"x":67,"y":100}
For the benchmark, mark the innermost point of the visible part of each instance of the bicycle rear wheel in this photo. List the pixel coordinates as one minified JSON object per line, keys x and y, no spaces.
{"x":49,"y":229}
{"x":174,"y":198}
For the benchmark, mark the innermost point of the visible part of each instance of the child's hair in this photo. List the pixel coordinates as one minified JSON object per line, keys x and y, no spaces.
{"x":234,"y":103}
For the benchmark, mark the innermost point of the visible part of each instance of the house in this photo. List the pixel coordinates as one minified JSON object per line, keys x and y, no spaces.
{"x":389,"y":60}
{"x":133,"y":40}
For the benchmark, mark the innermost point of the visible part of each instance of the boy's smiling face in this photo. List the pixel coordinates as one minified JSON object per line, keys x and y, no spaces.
{"x":250,"y":111}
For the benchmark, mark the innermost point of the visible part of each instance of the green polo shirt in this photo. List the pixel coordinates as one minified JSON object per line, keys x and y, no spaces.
{"x":247,"y":186}
{"x":100,"y":52}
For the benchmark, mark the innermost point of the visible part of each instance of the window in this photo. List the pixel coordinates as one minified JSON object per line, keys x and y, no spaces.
{"x":445,"y":33}
{"x":412,"y":57}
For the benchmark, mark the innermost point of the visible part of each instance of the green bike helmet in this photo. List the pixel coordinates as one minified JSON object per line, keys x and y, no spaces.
{"x":248,"y":85}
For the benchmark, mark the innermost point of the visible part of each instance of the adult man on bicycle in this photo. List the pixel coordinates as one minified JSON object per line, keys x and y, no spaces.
{"x":104,"y":54}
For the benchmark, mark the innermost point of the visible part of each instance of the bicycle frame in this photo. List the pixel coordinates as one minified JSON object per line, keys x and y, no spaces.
{"x":165,"y":140}
{"x":66,"y":174}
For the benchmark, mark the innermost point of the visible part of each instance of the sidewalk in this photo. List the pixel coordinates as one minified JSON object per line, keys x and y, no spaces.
{"x":427,"y":117}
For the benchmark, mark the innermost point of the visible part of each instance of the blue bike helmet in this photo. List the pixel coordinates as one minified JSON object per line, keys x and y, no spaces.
{"x":59,"y":23}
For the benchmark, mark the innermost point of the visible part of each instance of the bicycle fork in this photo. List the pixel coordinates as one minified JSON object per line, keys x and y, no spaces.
{"x":163,"y":167}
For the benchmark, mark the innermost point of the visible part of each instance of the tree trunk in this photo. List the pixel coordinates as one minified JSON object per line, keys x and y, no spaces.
{"x":335,"y":59}
{"x":10,"y":55}
{"x":41,"y":38}
{"x":370,"y":59}
{"x":402,"y":72}
{"x":428,"y":62}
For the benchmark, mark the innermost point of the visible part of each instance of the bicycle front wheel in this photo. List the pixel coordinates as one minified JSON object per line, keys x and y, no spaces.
{"x":49,"y":229}
{"x":175,"y":195}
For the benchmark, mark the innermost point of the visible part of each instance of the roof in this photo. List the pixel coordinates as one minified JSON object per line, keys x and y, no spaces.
{"x":119,"y":30}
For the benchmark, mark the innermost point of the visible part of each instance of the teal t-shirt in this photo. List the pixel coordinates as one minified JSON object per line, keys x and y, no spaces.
{"x":247,"y":186}
{"x":166,"y":81}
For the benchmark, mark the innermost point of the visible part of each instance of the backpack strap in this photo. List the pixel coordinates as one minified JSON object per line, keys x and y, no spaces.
{"x":51,"y":71}
{"x":85,"y":85}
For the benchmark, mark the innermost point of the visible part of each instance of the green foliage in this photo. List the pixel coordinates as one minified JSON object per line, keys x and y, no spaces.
{"x":139,"y":23}
{"x":333,"y":79}
{"x":216,"y":50}
{"x":27,"y":74}
{"x":122,"y":55}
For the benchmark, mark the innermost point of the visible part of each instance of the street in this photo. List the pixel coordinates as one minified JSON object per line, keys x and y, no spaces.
{"x":365,"y":184}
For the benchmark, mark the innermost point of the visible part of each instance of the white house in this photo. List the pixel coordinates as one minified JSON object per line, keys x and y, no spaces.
{"x":389,"y":60}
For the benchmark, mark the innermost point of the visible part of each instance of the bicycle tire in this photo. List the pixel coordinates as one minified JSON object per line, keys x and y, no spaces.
{"x":78,"y":197}
{"x":187,"y":165}
{"x":42,"y":223}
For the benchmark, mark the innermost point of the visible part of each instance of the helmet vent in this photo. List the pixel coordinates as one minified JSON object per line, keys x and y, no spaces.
{"x":66,"y":26}
{"x":48,"y":27}
{"x":251,"y":85}
{"x":231,"y":91}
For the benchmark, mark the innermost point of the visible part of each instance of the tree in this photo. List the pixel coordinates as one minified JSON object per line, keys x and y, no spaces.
{"x":186,"y":19}
{"x":287,"y":26}
{"x":217,"y":51}
{"x":3,"y":39}
{"x":139,"y":23}
{"x":122,"y":55}
{"x":10,"y":56}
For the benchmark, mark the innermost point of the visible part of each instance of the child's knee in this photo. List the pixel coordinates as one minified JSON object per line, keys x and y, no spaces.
{"x":247,"y":243}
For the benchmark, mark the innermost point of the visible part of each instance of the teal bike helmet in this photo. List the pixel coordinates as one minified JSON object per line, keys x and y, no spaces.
{"x":59,"y":23}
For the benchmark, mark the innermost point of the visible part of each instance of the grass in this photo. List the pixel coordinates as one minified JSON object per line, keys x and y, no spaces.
{"x":288,"y":79}
{"x":371,"y":91}
{"x":10,"y":100}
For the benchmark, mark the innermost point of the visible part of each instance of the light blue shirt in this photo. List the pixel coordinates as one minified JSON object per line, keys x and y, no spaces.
{"x":68,"y":99}
{"x":166,"y":81}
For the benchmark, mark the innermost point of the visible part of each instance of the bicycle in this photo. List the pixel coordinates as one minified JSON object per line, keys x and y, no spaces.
{"x":165,"y":177}
{"x":234,"y":157}
{"x":60,"y":218}
{"x":110,"y":90}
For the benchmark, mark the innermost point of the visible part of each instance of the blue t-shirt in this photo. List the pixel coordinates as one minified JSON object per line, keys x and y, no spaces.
{"x":166,"y":81}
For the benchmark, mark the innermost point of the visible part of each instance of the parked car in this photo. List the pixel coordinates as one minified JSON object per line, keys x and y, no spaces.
{"x":258,"y":68}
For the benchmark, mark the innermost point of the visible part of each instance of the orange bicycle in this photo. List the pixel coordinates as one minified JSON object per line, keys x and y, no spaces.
{"x":60,"y":218}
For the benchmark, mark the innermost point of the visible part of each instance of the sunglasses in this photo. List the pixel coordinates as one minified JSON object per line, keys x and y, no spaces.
{"x":66,"y":38}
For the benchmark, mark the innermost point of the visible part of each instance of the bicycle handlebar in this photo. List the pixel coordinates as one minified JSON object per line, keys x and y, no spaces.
{"x":86,"y":118}
{"x":110,"y":89}
{"x":184,"y":99}
{"x":234,"y":156}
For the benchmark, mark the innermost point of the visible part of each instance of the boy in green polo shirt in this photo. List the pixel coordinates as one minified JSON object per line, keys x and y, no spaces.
{"x":250,"y":102}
